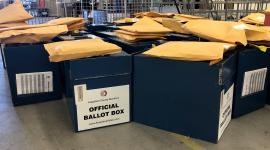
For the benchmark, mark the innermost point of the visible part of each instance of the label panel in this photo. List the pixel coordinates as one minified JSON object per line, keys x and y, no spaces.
{"x":101,"y":107}
{"x":225,"y":115}
{"x":32,"y":83}
{"x":254,"y":81}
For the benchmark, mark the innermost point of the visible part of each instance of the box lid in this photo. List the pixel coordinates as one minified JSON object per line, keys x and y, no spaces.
{"x":102,"y":66}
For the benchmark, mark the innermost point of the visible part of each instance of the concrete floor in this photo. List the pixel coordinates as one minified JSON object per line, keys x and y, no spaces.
{"x":47,"y":126}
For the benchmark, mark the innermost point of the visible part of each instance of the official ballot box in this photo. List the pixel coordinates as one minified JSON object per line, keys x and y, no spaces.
{"x":185,"y":97}
{"x":98,"y":90}
{"x":251,"y":81}
{"x":32,"y":78}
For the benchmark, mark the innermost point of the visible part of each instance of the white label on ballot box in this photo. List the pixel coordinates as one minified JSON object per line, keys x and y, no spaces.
{"x":225,"y":115}
{"x":254,"y":81}
{"x":32,"y":83}
{"x":101,"y":107}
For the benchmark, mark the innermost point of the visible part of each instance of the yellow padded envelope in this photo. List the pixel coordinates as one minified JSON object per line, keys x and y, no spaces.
{"x":135,"y":38}
{"x":32,"y":35}
{"x":76,"y":26}
{"x":257,"y":33}
{"x":67,"y":21}
{"x":153,"y":14}
{"x":24,"y":27}
{"x":191,"y":51}
{"x":12,"y":24}
{"x":68,"y":50}
{"x":254,"y":18}
{"x":146,"y":25}
{"x":159,"y":19}
{"x":174,"y":25}
{"x":186,"y":18}
{"x":217,"y":31}
{"x":14,"y":13}
{"x":127,"y":20}
{"x":138,"y":34}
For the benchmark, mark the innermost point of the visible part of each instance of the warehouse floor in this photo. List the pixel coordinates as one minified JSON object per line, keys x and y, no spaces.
{"x":47,"y":126}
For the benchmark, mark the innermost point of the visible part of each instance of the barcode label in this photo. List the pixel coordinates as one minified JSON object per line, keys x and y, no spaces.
{"x":31,"y":83}
{"x":79,"y":91}
{"x":254,"y":81}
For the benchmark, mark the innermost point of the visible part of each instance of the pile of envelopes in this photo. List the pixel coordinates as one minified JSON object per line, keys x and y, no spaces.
{"x":176,"y":23}
{"x":13,"y":15}
{"x":229,"y":32}
{"x":71,"y":22}
{"x":222,"y":36}
{"x":127,"y":20}
{"x":254,"y":18}
{"x":145,"y":29}
{"x":14,"y":29}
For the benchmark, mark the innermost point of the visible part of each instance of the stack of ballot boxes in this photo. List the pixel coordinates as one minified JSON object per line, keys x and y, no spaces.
{"x":185,"y":97}
{"x":251,"y":81}
{"x":98,"y":90}
{"x":32,"y":78}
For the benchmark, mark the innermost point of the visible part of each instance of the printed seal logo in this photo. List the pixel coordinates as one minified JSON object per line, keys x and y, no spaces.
{"x":103,"y":93}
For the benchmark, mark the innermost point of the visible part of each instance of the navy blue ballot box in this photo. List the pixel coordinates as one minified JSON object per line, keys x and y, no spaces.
{"x":185,"y":97}
{"x":98,"y":90}
{"x":32,"y":78}
{"x":251,"y":81}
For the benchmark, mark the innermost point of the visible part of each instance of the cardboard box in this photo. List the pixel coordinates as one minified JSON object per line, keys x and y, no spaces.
{"x":32,"y":78}
{"x":251,"y":81}
{"x":98,"y":91}
{"x":185,"y":97}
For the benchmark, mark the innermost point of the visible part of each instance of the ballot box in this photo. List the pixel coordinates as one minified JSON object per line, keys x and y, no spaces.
{"x":251,"y":81}
{"x":98,"y":90}
{"x":185,"y":97}
{"x":32,"y":78}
